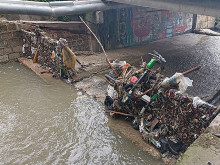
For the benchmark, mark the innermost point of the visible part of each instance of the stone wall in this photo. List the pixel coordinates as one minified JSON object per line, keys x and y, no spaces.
{"x":10,"y":41}
{"x":76,"y":41}
{"x":135,"y":25}
{"x":75,"y":32}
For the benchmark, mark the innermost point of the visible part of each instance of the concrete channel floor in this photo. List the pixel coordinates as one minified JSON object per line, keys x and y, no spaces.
{"x":181,"y":53}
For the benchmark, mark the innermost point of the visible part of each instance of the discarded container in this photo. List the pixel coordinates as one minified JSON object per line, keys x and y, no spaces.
{"x":151,"y":63}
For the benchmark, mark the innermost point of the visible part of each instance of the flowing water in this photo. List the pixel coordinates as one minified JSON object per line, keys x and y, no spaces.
{"x":53,"y":123}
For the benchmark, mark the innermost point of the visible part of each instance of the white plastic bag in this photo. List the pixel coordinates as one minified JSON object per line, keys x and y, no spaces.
{"x":183,"y":82}
{"x":112,"y":92}
{"x":118,"y":63}
{"x":177,"y":79}
{"x":198,"y":102}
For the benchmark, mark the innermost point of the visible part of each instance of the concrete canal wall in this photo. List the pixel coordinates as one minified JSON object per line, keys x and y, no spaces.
{"x":74,"y":32}
{"x":133,"y":26}
{"x":10,"y":41}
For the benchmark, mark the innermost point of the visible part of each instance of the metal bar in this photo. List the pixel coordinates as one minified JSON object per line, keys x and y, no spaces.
{"x":6,"y":8}
{"x":57,"y":3}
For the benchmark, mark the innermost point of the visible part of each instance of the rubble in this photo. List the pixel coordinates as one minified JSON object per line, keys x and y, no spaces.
{"x":158,"y":106}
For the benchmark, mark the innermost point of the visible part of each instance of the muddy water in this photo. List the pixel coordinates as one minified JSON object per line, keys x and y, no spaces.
{"x":52,"y":123}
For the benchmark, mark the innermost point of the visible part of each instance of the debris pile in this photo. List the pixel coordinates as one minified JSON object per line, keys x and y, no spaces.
{"x":54,"y":55}
{"x":158,"y":106}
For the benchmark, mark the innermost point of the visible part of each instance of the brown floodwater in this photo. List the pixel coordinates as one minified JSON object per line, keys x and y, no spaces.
{"x":53,"y":123}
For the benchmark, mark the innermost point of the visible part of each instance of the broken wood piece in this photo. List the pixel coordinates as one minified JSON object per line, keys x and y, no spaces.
{"x":154,"y":123}
{"x":108,"y":61}
{"x":145,"y":92}
{"x":120,"y":113}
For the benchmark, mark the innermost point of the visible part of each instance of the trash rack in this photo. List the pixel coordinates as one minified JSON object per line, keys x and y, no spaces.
{"x":156,"y":105}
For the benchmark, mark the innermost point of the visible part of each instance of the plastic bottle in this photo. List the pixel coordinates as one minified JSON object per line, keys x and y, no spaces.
{"x":151,"y":63}
{"x":154,"y":96}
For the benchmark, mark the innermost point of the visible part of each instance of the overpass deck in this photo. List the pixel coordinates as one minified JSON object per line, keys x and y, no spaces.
{"x":203,"y":7}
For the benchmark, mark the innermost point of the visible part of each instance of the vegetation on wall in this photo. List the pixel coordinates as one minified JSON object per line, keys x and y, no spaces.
{"x":64,"y":18}
{"x":217,"y":19}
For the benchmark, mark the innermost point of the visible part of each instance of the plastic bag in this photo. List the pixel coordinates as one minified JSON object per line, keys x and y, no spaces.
{"x":118,"y":63}
{"x":179,"y":80}
{"x":198,"y":102}
{"x":112,"y":92}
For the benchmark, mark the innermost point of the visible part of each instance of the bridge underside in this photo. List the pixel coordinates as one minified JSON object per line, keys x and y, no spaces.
{"x":203,"y":7}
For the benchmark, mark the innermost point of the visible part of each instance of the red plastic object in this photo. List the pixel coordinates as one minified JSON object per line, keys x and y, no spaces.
{"x":133,"y":79}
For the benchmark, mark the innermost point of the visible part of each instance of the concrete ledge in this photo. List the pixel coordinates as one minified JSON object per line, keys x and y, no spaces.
{"x":36,"y":68}
{"x":75,"y":26}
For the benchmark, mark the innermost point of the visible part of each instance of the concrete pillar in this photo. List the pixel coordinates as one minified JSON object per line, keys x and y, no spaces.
{"x":194,"y":22}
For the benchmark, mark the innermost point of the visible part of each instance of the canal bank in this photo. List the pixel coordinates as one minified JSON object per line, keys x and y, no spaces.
{"x":181,"y":52}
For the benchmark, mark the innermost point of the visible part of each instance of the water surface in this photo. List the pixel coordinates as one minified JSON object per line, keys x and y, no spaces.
{"x":53,"y":123}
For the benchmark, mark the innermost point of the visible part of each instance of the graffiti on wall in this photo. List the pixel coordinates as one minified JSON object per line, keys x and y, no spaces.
{"x":108,"y":29}
{"x":141,"y":25}
{"x":138,"y":25}
{"x":125,"y":29}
